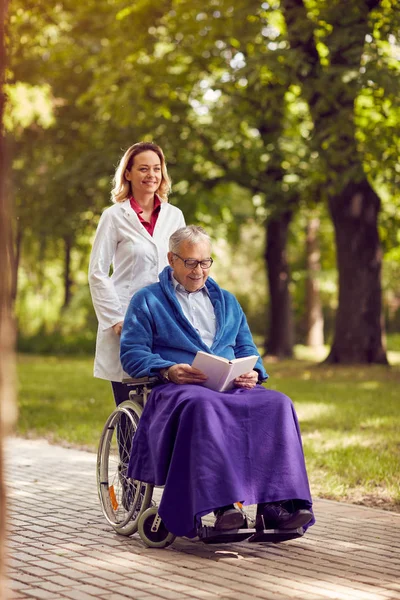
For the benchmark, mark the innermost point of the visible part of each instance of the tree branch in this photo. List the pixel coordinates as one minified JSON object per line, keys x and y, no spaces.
{"x":301,"y":37}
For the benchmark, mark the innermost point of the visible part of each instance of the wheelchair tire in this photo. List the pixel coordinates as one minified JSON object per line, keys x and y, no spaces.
{"x":122,"y":499}
{"x":154,"y":539}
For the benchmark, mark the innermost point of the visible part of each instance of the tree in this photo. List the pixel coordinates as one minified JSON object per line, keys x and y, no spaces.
{"x":222,"y":87}
{"x":60,"y":167}
{"x":331,"y":88}
{"x":7,"y":406}
{"x":197,"y":66}
{"x":243,"y":55}
{"x":315,"y":319}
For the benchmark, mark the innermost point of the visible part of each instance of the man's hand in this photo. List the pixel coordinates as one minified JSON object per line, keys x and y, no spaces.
{"x":183,"y":373}
{"x":118,"y":327}
{"x":247,"y":380}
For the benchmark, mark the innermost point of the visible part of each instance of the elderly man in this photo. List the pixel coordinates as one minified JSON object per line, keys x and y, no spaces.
{"x":209,"y":449}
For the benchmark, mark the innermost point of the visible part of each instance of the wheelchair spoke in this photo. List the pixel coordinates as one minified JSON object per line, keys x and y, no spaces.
{"x":122,"y":499}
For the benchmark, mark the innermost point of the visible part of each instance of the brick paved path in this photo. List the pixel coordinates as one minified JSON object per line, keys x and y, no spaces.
{"x":61,"y":547}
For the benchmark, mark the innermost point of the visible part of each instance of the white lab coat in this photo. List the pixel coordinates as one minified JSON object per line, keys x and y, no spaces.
{"x":137,"y":258}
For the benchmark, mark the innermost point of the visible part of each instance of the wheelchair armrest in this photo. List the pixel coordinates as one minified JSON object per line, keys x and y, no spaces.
{"x":141,"y":380}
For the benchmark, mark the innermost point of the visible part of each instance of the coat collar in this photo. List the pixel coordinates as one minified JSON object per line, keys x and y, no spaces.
{"x":131,"y":216}
{"x":216,"y":297}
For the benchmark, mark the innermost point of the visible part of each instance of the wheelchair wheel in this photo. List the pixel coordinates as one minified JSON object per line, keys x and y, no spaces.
{"x":122,"y":499}
{"x":153,"y":531}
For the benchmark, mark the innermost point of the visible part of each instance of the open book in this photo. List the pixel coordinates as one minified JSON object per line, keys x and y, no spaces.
{"x":220,"y":371}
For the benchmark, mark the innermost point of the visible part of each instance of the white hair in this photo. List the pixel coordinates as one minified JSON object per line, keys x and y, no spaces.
{"x":191,"y":233}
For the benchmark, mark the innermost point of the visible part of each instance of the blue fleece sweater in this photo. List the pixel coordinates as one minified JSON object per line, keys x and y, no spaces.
{"x":156,"y":334}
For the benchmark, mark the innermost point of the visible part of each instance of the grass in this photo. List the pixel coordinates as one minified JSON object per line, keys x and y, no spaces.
{"x":59,"y":399}
{"x":349,"y":417}
{"x":350,"y":422}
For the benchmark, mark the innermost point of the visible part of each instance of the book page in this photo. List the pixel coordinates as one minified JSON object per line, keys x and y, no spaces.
{"x":220,"y":371}
{"x":215,"y":367}
{"x":239,"y":366}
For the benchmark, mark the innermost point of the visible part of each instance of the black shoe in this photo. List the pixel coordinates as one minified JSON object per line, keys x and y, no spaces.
{"x":229,"y":518}
{"x":277,"y":517}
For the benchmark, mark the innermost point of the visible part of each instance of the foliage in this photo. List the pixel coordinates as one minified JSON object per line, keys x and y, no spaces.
{"x":349,"y":418}
{"x":216,"y":84}
{"x":239,"y":268}
{"x":393,"y":342}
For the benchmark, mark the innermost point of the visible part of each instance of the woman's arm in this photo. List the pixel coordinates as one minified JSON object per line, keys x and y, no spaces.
{"x":104,"y":296}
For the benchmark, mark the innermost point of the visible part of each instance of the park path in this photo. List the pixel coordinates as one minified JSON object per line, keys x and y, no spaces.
{"x":61,"y":547}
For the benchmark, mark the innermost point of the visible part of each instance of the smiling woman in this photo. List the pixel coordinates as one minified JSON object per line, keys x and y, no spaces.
{"x":132,"y":238}
{"x":145,"y":177}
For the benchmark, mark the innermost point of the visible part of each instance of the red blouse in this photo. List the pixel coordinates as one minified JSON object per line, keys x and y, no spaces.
{"x":154,"y":215}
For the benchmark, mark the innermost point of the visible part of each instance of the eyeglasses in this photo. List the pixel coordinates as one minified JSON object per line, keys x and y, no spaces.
{"x":191,"y":263}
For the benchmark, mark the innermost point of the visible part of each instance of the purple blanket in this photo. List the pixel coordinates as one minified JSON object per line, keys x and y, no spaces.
{"x":210,"y":449}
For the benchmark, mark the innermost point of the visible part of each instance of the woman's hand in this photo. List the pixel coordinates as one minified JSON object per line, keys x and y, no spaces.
{"x":183,"y":373}
{"x":247,"y":380}
{"x":118,"y":327}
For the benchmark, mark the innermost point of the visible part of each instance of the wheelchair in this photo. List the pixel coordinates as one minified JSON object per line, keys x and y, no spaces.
{"x":128,"y":505}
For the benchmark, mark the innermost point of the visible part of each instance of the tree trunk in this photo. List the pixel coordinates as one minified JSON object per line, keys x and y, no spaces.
{"x":315,"y":318}
{"x":7,"y":403}
{"x":67,"y":271}
{"x":359,"y":330}
{"x":280,"y":336}
{"x":331,"y":92}
{"x":15,"y":260}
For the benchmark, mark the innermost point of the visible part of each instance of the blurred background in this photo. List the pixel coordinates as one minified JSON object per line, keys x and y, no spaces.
{"x":280,"y":125}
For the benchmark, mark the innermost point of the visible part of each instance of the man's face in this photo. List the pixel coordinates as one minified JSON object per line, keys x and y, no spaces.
{"x":192,"y":279}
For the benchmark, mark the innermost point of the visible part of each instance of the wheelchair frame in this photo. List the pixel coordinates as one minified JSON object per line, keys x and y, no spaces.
{"x":127,"y":504}
{"x":122,"y":500}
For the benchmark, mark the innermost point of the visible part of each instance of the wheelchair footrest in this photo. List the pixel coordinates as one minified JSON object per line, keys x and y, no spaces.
{"x":210,"y":535}
{"x":275,"y":535}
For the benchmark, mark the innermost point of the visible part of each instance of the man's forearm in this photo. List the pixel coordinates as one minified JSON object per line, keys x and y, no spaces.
{"x":164,"y":374}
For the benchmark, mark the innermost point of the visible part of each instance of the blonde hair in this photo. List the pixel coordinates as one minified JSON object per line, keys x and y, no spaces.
{"x":122,"y":187}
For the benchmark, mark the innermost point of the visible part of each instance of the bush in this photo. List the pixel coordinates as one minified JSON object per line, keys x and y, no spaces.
{"x":57,"y":343}
{"x":393,"y":342}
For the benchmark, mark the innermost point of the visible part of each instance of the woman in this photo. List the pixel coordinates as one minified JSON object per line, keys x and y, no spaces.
{"x":132,"y":237}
